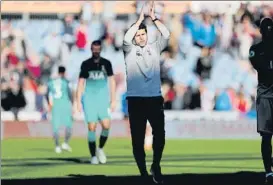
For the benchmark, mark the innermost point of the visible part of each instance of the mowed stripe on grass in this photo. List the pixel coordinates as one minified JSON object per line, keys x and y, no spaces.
{"x":35,"y":158}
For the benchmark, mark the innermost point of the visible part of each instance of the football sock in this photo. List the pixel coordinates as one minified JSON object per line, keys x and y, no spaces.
{"x":92,"y":143}
{"x":56,"y":138}
{"x":68,"y":133}
{"x":103,"y":137}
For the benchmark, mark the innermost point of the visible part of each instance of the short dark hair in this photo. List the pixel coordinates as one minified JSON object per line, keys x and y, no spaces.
{"x":266,"y":24}
{"x":61,"y":69}
{"x":96,"y":43}
{"x":142,"y":26}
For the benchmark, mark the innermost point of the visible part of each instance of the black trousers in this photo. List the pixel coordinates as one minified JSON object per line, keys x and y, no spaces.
{"x":140,"y":110}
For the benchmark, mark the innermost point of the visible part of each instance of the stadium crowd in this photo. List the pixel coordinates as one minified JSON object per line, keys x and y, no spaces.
{"x":204,"y":66}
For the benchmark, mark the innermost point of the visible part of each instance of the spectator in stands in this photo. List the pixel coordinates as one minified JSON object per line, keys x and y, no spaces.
{"x":108,"y":50}
{"x":189,"y":20}
{"x":176,"y":30}
{"x":18,"y":61}
{"x":168,"y":94}
{"x":19,"y":72}
{"x":224,"y":31}
{"x":243,"y":103}
{"x":207,"y":97}
{"x":252,"y":113}
{"x":207,"y":32}
{"x":194,"y":97}
{"x":19,"y":43}
{"x":29,"y":90}
{"x":185,"y":42}
{"x":245,"y":32}
{"x":46,"y":68}
{"x":81,"y":36}
{"x":40,"y":100}
{"x":15,"y":99}
{"x":53,"y":44}
{"x":11,"y":56}
{"x":223,"y":101}
{"x":68,"y":31}
{"x":33,"y":65}
{"x":204,"y":64}
{"x":5,"y":103}
{"x":232,"y":93}
{"x":167,"y":63}
{"x":178,"y":101}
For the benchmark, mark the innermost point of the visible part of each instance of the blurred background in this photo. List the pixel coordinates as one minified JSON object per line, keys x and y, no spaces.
{"x":204,"y":67}
{"x":208,"y":84}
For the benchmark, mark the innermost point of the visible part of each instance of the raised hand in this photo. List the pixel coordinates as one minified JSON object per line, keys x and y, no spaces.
{"x":152,"y":9}
{"x":141,"y":15}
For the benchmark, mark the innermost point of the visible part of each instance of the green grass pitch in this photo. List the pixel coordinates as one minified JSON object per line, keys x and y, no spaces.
{"x":35,"y":158}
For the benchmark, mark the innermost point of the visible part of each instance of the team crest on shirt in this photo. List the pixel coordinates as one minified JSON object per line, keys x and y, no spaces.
{"x":251,"y":53}
{"x":103,"y":69}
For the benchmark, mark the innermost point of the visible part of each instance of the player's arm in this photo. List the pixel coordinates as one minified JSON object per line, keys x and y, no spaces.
{"x":48,"y":97}
{"x":80,"y":88}
{"x":253,"y":57}
{"x":129,"y":35}
{"x":70,"y":94}
{"x":112,"y":83}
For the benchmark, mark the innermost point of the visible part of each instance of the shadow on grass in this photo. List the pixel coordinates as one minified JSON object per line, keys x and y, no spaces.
{"x":125,"y":160}
{"x":239,"y":178}
{"x":245,"y":177}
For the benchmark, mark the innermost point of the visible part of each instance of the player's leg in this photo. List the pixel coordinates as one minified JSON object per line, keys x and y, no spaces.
{"x":91,"y":118}
{"x":92,"y":142}
{"x":68,"y":134}
{"x":105,"y":124}
{"x":138,"y":120}
{"x":55,"y":121}
{"x":156,"y":119}
{"x":265,"y":128}
{"x":105,"y":119}
{"x":56,"y":137}
{"x":68,"y":120}
{"x":266,"y":149}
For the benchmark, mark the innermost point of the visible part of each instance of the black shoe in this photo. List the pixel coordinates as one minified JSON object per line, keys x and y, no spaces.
{"x":157,"y":175}
{"x":144,"y":177}
{"x":269,"y":180}
{"x":144,"y":173}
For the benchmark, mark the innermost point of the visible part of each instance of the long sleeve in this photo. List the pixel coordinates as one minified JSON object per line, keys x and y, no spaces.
{"x":163,"y":29}
{"x":70,"y":94}
{"x":128,"y":37}
{"x":165,"y":35}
